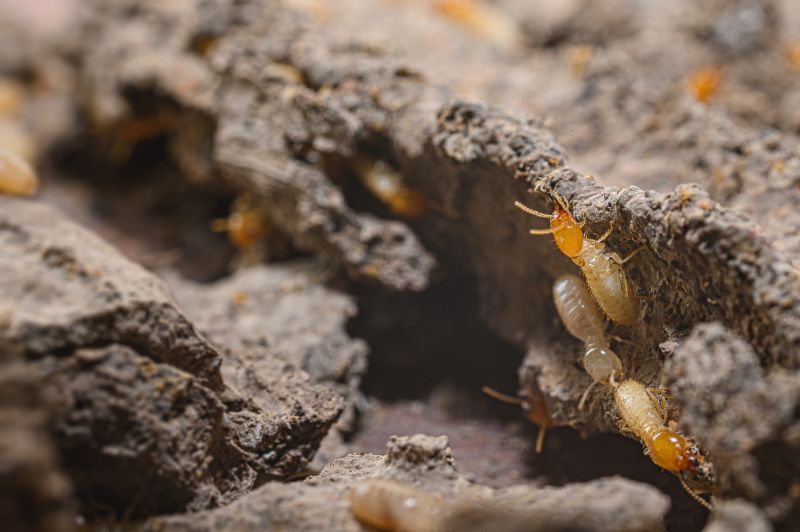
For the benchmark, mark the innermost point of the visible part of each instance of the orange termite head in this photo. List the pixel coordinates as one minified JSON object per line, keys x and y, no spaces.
{"x":536,"y":410}
{"x":567,"y":233}
{"x":534,"y":407}
{"x":674,"y":453}
{"x":671,"y":451}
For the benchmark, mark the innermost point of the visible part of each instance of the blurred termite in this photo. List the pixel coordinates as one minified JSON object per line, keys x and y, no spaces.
{"x":17,"y":139}
{"x":534,"y":407}
{"x":17,"y":177}
{"x":793,"y":55}
{"x":642,"y":412}
{"x":484,"y":20}
{"x":12,"y":97}
{"x":578,"y":60}
{"x":386,"y":184}
{"x":390,"y":505}
{"x":247,"y":225}
{"x":14,"y":135}
{"x":120,"y":138}
{"x":603,"y":269}
{"x":705,"y":83}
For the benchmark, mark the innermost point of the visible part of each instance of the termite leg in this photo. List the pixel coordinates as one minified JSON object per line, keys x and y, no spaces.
{"x":633,"y":254}
{"x":624,"y":280}
{"x":605,"y":235}
{"x":623,"y":428}
{"x":657,"y":395}
{"x":615,"y":256}
{"x":532,"y":212}
{"x":624,"y":341}
{"x":540,"y":438}
{"x":541,"y":231}
{"x":585,"y":395}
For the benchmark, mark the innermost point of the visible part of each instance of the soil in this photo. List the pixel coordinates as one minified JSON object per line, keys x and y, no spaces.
{"x":174,"y":378}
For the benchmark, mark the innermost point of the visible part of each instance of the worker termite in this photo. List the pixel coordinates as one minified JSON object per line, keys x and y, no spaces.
{"x":247,"y":224}
{"x":585,"y":322}
{"x":386,"y":184}
{"x":389,"y":505}
{"x":645,"y":416}
{"x":17,"y":177}
{"x":602,"y":269}
{"x":252,"y":232}
{"x":578,"y":60}
{"x":535,"y":410}
{"x":793,"y":55}
{"x":705,"y":83}
{"x":484,"y":20}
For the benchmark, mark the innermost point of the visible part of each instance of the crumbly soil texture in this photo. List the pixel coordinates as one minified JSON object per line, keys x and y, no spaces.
{"x":275,"y":254}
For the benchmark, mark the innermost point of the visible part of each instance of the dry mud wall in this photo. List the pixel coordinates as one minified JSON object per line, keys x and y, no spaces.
{"x":283,"y":103}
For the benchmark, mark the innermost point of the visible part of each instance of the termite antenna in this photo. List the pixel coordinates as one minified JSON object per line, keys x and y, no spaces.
{"x":500,"y":396}
{"x":532,"y":212}
{"x":585,"y":396}
{"x":540,"y":438}
{"x":561,"y":201}
{"x":694,"y":495}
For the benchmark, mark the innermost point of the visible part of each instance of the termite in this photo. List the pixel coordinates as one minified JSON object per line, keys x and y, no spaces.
{"x":705,"y":83}
{"x":247,"y":225}
{"x":793,"y":55}
{"x":602,"y":269}
{"x":585,"y":322}
{"x":390,"y":505}
{"x":484,"y":20}
{"x":17,"y":177}
{"x":12,"y":98}
{"x":645,"y":416}
{"x":535,"y":410}
{"x":386,"y":184}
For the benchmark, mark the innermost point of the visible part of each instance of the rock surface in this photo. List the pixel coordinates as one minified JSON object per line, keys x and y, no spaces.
{"x":65,"y":288}
{"x":279,"y":330}
{"x":138,"y":390}
{"x":34,"y":493}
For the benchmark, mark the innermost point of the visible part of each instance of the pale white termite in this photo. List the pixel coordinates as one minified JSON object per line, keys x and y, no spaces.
{"x":645,"y":416}
{"x":17,"y":177}
{"x":585,"y":322}
{"x":390,"y":505}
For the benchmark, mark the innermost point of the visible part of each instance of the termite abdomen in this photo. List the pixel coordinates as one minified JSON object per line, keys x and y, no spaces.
{"x":577,"y":309}
{"x":389,"y":505}
{"x":584,"y":321}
